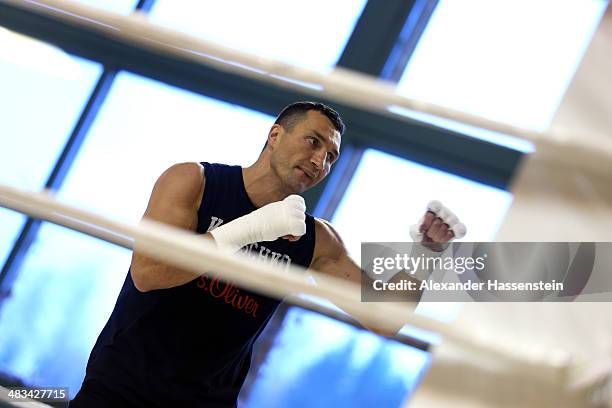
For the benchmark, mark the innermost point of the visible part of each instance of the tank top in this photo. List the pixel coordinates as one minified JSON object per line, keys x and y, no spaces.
{"x":191,"y":345}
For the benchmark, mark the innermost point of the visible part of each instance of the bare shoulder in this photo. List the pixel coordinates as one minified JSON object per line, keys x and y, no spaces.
{"x":328,"y":243}
{"x":188,"y":173}
{"x":182,"y":180}
{"x":181,"y":186}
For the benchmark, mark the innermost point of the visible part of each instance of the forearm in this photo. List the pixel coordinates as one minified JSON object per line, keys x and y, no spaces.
{"x":374,"y":327}
{"x":150,"y":274}
{"x":409,"y":300}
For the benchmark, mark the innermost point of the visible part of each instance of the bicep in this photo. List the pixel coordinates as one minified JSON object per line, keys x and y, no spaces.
{"x":331,"y":256}
{"x":174,"y":201}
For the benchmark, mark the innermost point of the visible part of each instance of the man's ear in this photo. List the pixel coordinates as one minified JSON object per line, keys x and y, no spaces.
{"x":274,"y":135}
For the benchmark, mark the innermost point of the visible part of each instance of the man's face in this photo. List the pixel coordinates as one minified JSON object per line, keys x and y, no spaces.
{"x":303,"y":157}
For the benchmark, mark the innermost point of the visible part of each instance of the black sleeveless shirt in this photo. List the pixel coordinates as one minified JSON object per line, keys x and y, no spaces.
{"x":190,"y":345}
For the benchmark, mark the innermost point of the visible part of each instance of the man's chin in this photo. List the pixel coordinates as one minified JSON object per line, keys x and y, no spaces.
{"x":299,"y":188}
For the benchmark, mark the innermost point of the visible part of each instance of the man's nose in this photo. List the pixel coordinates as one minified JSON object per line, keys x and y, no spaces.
{"x":318,"y":160}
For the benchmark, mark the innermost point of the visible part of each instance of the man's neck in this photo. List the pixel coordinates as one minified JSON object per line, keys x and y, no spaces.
{"x":262,"y":185}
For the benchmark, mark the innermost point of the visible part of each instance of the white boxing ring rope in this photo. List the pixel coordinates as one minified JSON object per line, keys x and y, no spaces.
{"x":186,"y":250}
{"x":593,"y":154}
{"x":183,"y":249}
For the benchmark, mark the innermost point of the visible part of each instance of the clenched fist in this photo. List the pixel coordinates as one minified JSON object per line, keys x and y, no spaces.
{"x":439,"y":225}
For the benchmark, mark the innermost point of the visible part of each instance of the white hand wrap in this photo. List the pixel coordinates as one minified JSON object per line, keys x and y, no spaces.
{"x":447,"y":217}
{"x":267,"y":223}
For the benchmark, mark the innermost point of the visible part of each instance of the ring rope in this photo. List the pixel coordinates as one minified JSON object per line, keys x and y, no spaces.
{"x":591,"y":152}
{"x":188,"y":251}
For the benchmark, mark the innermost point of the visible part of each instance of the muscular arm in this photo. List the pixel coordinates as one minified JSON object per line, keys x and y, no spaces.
{"x":331,"y":257}
{"x":175,"y":200}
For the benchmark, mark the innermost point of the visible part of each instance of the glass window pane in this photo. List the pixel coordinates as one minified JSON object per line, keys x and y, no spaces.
{"x":316,"y":361}
{"x":12,"y":223}
{"x":69,"y":283}
{"x":146,"y":126}
{"x":388,"y":194}
{"x":386,"y":210}
{"x":34,"y":126}
{"x":116,"y":6}
{"x":510,"y":61}
{"x":67,"y":286}
{"x":309,"y":34}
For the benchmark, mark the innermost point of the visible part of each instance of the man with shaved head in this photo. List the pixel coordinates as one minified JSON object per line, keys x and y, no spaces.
{"x":176,"y":338}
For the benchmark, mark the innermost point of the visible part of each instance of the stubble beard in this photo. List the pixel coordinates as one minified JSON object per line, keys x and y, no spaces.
{"x":286,"y":180}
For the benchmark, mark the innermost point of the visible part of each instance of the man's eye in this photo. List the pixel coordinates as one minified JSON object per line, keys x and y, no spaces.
{"x":312,"y":140}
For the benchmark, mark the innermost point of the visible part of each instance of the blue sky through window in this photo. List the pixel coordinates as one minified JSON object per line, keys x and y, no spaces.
{"x":317,"y":361}
{"x":509,"y":61}
{"x":311,"y":34}
{"x":34,"y":126}
{"x":388,"y":194}
{"x":116,"y":6}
